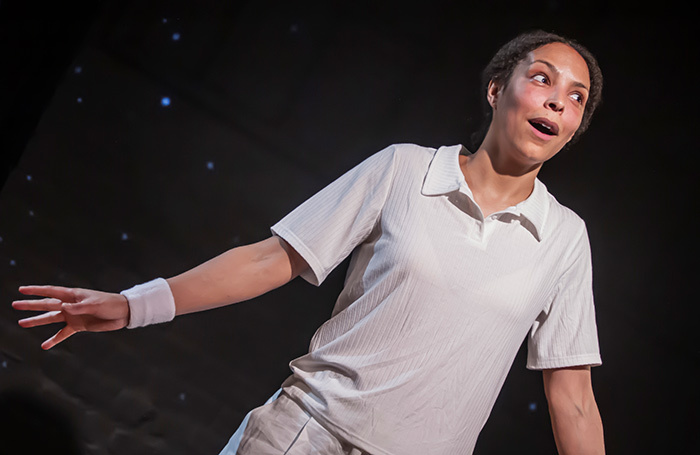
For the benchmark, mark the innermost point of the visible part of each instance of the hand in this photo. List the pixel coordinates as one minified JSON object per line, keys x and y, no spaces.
{"x":82,"y":310}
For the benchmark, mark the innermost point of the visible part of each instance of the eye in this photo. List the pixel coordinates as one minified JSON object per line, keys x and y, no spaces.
{"x":541,"y":78}
{"x":576,"y":96}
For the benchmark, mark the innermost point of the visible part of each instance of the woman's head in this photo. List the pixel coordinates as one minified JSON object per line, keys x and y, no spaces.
{"x":500,"y":70}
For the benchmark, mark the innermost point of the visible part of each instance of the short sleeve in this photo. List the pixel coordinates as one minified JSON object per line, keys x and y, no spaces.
{"x":565,"y":332}
{"x":326,"y":228}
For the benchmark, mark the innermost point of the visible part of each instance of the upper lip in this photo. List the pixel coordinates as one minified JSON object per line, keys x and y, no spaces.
{"x":553,"y":127}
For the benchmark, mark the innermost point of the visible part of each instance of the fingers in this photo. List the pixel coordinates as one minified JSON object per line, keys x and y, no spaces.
{"x":52,"y":304}
{"x":60,"y":336}
{"x":43,"y":319}
{"x":58,"y":292}
{"x":37,"y":305}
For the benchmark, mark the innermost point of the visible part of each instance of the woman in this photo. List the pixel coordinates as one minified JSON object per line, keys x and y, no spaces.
{"x":455,"y":258}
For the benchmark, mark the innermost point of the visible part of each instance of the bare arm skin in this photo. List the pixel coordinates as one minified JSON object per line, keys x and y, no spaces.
{"x":576,"y":422}
{"x":239,"y":274}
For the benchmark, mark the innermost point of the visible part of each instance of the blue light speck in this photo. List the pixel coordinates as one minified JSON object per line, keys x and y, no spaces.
{"x":210,"y":165}
{"x":176,"y":36}
{"x":165,"y":101}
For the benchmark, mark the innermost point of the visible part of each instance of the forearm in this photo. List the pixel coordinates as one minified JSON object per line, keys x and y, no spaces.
{"x":578,"y":429}
{"x":239,"y":274}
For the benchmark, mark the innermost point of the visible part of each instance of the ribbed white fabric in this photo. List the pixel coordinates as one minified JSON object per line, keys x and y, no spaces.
{"x":436,"y":303}
{"x":150,"y":303}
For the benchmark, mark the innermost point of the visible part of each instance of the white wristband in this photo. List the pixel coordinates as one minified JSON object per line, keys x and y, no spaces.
{"x":150,"y":303}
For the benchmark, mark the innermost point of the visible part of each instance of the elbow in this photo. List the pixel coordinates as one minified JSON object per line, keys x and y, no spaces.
{"x":569,"y":392}
{"x":573,"y":408}
{"x":578,"y":428}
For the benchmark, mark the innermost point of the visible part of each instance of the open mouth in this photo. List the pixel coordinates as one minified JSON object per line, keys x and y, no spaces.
{"x":544,"y":126}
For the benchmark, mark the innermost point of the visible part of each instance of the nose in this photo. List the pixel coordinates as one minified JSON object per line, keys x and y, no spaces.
{"x":555,"y":102}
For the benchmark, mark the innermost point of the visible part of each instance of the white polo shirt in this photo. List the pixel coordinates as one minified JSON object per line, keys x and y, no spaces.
{"x":436,"y":302}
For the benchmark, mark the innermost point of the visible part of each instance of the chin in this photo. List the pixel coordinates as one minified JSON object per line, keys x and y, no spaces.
{"x":536,"y":153}
{"x":533,"y":156}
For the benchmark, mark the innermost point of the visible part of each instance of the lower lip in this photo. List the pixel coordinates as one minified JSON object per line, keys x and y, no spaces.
{"x":540,"y":134}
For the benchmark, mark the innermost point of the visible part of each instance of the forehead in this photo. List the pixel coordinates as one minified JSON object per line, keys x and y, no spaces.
{"x":564,"y":58}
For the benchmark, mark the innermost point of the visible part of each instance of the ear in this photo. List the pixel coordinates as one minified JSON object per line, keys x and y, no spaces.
{"x":492,"y":93}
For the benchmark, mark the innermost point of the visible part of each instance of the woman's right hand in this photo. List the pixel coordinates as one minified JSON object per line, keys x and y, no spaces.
{"x":82,"y":310}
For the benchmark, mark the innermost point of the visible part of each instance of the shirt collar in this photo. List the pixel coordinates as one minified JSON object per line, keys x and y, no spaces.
{"x":444,"y":176}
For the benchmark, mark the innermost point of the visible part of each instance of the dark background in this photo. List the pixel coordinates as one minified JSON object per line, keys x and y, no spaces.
{"x":106,"y":187}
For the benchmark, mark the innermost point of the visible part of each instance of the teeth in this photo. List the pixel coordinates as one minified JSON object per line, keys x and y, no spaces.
{"x":543,"y":127}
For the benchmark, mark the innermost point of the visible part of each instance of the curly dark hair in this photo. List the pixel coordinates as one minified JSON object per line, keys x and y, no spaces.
{"x":500,"y":69}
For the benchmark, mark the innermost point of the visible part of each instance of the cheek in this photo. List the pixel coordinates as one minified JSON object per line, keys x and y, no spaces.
{"x":572,"y":120}
{"x":522,"y":96}
{"x":519,"y":108}
{"x":522,"y":101}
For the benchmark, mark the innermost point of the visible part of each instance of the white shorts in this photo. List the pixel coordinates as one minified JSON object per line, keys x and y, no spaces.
{"x":282,"y":427}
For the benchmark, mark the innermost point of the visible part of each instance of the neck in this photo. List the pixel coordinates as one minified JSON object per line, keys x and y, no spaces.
{"x":496,"y":181}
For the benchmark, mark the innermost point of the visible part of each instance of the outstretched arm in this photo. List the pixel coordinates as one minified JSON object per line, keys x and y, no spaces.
{"x":239,"y":274}
{"x":576,"y":422}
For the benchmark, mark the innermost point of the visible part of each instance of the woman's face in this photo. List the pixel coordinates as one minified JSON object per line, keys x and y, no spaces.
{"x":541,"y":107}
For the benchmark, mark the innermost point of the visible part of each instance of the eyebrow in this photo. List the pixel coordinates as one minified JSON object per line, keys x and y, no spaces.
{"x":556,"y":70}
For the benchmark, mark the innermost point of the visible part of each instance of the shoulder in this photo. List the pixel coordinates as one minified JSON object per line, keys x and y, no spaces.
{"x":567,"y":239}
{"x":561,"y":213}
{"x":563,"y":223}
{"x":399,"y":158}
{"x":410,"y":155}
{"x":409,"y":151}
